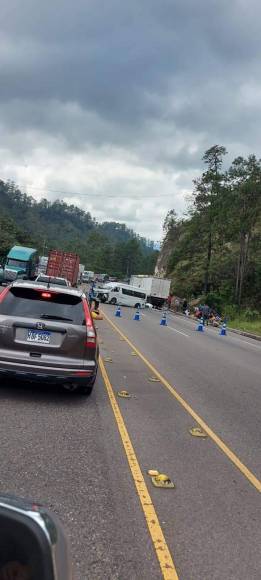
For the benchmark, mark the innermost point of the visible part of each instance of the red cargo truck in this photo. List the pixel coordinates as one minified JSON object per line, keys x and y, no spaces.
{"x":63,"y":265}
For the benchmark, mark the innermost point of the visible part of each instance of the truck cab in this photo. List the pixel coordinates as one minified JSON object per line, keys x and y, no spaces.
{"x":21,"y":263}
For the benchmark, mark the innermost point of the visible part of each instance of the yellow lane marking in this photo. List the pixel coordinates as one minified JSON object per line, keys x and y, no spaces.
{"x":230,"y":454}
{"x":162,"y":551}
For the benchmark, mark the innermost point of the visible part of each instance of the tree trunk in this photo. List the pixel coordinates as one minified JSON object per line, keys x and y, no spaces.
{"x":243,"y":265}
{"x":238,"y":271}
{"x":209,"y":252}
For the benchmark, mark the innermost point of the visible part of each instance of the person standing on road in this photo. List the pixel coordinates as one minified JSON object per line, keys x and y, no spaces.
{"x":91,"y":295}
{"x":95,"y":313}
{"x":205,"y":313}
{"x":169,"y":299}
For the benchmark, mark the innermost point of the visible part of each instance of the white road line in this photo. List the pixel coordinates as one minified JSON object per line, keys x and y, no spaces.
{"x":241,"y":341}
{"x":238,"y":337}
{"x":179,"y":331}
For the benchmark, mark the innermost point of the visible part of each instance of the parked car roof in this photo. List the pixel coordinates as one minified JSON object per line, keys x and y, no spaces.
{"x":52,"y":287}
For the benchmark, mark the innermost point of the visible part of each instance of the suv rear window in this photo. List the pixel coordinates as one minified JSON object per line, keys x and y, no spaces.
{"x":30,"y":303}
{"x":51,"y":280}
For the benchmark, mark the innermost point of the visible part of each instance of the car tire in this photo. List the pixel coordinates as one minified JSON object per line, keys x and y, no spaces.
{"x":84,"y":390}
{"x":113,"y":301}
{"x":87,"y":388}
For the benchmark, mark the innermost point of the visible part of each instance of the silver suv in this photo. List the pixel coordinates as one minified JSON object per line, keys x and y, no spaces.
{"x":47,"y":335}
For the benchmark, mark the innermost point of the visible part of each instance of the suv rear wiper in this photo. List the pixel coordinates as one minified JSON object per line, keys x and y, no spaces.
{"x":50,"y":317}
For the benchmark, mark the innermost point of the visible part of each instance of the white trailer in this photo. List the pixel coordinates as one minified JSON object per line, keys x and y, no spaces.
{"x":157,"y":289}
{"x":42,"y":265}
{"x":87,"y":276}
{"x":80,"y":273}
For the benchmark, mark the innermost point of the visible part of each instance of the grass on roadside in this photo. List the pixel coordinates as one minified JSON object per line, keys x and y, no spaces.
{"x":249,"y":326}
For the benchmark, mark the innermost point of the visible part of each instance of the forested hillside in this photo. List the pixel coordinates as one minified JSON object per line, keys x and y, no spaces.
{"x":107,"y":247}
{"x":215,"y":252}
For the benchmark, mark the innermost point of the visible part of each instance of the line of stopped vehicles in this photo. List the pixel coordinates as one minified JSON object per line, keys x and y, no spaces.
{"x":47,"y":333}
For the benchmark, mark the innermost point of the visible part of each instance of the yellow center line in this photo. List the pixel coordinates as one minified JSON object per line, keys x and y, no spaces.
{"x":162,"y":551}
{"x":228,"y":452}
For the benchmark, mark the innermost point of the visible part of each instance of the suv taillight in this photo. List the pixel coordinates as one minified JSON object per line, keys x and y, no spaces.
{"x":91,"y":338}
{"x":3,"y":293}
{"x":91,"y":334}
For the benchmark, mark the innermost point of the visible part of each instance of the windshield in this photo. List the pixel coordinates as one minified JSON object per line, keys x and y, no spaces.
{"x":50,"y":280}
{"x":30,"y":303}
{"x":16,"y":263}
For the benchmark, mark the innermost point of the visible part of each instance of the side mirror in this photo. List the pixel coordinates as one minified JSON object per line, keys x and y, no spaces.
{"x":32,"y":542}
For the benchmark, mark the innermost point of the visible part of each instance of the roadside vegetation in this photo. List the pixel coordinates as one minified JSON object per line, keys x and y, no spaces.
{"x":215,"y":251}
{"x":242,"y":323}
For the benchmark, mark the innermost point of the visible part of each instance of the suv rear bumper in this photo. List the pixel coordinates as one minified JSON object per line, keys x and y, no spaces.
{"x":48,"y":374}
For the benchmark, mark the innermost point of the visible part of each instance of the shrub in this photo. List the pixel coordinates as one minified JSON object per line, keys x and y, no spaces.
{"x":251,"y":315}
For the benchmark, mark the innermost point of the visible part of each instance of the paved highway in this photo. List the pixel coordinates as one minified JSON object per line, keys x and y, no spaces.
{"x":88,"y":458}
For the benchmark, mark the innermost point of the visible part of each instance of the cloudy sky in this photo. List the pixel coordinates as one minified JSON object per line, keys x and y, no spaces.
{"x":111,"y":104}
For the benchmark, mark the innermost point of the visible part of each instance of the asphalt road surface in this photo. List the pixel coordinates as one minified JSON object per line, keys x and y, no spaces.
{"x":87,"y":458}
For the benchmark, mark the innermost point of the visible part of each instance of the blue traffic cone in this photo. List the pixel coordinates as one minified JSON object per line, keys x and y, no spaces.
{"x":200,"y":327}
{"x":118,"y":312}
{"x":223,"y":330}
{"x":163,"y":321}
{"x":136,"y":315}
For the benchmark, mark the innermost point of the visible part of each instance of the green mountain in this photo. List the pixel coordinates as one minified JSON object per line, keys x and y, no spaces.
{"x":109,"y":247}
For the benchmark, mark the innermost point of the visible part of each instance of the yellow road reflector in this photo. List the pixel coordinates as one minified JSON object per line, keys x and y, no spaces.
{"x":165,"y":560}
{"x":122,"y":339}
{"x":108,"y":359}
{"x":124,"y":394}
{"x":154,"y":380}
{"x":152,"y":472}
{"x":197,"y":432}
{"x":162,"y":480}
{"x":133,"y":353}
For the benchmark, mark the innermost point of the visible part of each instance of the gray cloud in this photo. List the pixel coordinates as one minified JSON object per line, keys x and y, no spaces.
{"x":107,"y":98}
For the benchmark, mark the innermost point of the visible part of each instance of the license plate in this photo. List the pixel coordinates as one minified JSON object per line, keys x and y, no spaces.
{"x":40,"y":336}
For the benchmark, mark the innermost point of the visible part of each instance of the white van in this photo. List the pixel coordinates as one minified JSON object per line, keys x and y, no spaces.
{"x":126,"y":295}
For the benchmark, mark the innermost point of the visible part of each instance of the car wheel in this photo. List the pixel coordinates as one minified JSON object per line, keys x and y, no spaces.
{"x":84,"y":390}
{"x":113,"y":301}
{"x":137,"y":305}
{"x":79,"y":389}
{"x":87,"y":388}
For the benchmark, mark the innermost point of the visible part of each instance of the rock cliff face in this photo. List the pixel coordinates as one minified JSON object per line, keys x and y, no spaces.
{"x":161,"y":268}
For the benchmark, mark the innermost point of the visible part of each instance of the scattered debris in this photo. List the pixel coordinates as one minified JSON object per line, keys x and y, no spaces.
{"x":153,"y":472}
{"x":124,"y":394}
{"x":197,"y":432}
{"x":160,"y":479}
{"x":163,"y":481}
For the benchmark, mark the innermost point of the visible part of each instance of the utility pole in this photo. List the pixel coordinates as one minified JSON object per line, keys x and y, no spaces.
{"x":44,"y":246}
